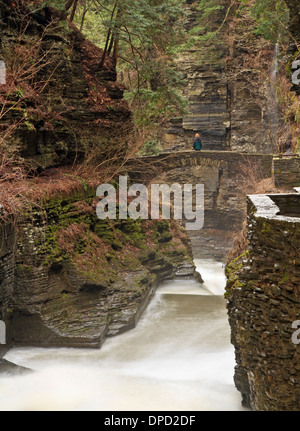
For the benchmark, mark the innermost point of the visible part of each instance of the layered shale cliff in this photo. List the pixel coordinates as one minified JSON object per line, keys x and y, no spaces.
{"x":70,"y":279}
{"x":66,"y":277}
{"x":229,"y":80}
{"x":204,"y":87}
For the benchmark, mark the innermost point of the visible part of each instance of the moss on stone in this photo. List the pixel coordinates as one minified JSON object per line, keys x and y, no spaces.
{"x":232,"y":273}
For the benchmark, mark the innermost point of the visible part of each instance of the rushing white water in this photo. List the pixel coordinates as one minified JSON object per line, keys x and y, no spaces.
{"x":274,"y":70}
{"x":178,"y":358}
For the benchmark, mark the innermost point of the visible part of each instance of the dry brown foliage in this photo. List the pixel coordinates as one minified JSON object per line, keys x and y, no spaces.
{"x":250,"y":181}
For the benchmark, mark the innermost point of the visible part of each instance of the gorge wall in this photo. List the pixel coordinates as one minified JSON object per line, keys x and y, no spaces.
{"x":264,"y":304}
{"x":205,"y":90}
{"x":7,"y":265}
{"x":263,"y":288}
{"x":70,"y":279}
{"x":230,"y":105}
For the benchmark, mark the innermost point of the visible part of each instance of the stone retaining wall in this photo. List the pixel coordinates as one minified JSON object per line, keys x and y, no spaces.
{"x":263,"y":292}
{"x":286,"y":172}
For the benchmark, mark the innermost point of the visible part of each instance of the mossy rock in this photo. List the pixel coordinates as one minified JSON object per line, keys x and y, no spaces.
{"x":165,"y":236}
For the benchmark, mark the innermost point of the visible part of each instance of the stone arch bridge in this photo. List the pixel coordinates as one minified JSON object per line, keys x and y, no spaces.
{"x":225,"y":176}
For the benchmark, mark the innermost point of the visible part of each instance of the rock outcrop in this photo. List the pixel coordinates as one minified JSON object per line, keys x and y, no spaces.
{"x":9,"y":369}
{"x":70,"y":279}
{"x":7,"y":265}
{"x":202,"y":68}
{"x":59,"y":101}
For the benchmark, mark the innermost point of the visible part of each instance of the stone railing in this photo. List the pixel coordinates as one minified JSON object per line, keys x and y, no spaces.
{"x":148,"y":167}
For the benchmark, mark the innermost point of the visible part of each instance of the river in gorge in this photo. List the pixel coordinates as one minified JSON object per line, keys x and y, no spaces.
{"x":178,"y":358}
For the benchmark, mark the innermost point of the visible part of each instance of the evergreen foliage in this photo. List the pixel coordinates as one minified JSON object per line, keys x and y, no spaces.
{"x":271,"y":17}
{"x":212,"y":16}
{"x":140,"y":36}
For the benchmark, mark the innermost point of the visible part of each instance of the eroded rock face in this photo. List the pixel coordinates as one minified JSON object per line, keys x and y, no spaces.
{"x":230,"y":104}
{"x":7,"y":265}
{"x":74,"y":280}
{"x":65,"y":103}
{"x":205,"y":89}
{"x":263,"y":304}
{"x":9,"y":369}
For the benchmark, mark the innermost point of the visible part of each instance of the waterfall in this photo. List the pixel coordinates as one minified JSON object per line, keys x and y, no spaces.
{"x":274,"y":70}
{"x":274,"y":107}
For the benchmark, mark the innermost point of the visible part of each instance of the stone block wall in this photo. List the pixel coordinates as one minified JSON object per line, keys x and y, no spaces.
{"x":287,"y":172}
{"x":263,"y":292}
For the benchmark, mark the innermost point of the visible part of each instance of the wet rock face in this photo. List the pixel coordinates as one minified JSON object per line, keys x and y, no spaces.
{"x":73,"y":103}
{"x":228,"y":104}
{"x":75,"y":279}
{"x":206,"y":91}
{"x":9,"y":369}
{"x":263,"y":304}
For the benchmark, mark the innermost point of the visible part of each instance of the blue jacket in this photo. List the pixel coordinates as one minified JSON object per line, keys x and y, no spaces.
{"x":197,"y":144}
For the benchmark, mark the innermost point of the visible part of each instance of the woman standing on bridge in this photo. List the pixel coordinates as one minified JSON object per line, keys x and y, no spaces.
{"x":197,"y":142}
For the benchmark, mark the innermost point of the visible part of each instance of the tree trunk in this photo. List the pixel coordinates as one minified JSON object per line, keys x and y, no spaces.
{"x":74,"y":10}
